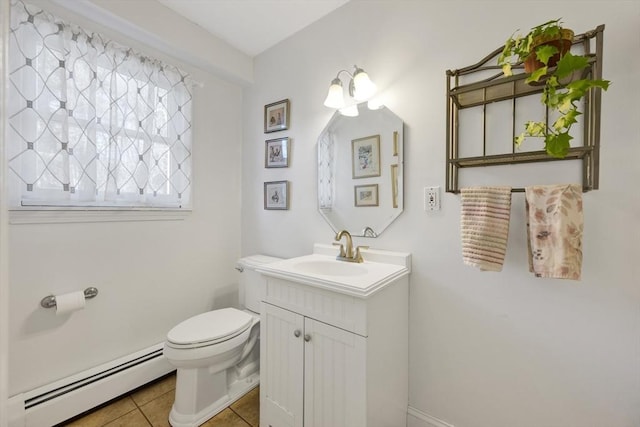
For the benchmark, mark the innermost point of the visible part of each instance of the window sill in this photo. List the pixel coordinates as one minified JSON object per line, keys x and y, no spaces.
{"x":78,"y":215}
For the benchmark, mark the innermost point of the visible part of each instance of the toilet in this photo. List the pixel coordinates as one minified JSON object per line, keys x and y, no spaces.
{"x":217,"y":354}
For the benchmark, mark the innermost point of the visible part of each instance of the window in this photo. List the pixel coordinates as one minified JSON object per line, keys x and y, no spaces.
{"x":91,"y":122}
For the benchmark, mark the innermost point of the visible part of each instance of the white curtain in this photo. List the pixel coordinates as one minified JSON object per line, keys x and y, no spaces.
{"x":92,"y":122}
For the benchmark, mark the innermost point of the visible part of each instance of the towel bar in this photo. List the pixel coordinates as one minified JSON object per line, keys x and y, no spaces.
{"x":520,"y":190}
{"x":50,"y":301}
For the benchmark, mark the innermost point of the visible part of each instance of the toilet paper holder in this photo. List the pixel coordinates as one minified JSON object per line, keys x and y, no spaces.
{"x":50,"y":301}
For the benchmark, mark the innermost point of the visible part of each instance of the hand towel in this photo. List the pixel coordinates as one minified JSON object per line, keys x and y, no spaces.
{"x":554,"y":230}
{"x":484,"y":226}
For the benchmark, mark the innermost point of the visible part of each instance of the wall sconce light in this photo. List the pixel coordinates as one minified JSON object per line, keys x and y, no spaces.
{"x":361,"y":88}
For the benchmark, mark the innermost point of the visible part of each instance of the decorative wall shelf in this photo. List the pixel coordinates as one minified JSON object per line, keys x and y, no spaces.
{"x":479,"y":90}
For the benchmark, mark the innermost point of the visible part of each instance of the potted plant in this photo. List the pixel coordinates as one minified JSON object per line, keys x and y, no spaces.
{"x":545,"y":53}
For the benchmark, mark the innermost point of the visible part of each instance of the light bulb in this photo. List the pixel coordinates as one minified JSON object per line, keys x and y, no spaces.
{"x":363,"y":87}
{"x":335,"y":97}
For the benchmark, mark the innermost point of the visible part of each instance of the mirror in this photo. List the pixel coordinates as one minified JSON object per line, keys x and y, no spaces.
{"x":360,"y":171}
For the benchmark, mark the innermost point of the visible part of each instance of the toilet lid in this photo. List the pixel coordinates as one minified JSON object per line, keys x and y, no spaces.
{"x":217,"y":325}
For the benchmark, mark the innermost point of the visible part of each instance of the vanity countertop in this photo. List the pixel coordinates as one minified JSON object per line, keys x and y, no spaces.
{"x":322,"y":270}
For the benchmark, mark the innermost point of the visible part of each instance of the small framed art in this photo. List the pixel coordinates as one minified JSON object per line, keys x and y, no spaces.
{"x":276,"y":153}
{"x":365,"y":156}
{"x":276,"y":116}
{"x":366,"y":195}
{"x":276,"y":195}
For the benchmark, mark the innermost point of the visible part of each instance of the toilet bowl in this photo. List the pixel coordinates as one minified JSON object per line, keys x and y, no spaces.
{"x":217,"y":353}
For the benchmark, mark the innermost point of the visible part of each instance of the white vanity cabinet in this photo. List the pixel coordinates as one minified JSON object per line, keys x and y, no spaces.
{"x":315,"y":373}
{"x":333,"y":358}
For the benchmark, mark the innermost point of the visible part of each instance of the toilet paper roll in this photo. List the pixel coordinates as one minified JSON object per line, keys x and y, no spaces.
{"x":67,"y":303}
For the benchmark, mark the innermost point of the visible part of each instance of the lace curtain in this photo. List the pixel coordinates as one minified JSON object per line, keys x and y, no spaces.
{"x":92,"y":122}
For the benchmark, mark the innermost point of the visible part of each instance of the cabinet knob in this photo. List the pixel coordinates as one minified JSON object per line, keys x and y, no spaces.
{"x":296,"y":333}
{"x":307,"y":337}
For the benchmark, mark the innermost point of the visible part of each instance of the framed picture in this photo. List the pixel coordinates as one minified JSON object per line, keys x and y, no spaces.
{"x":276,"y":153}
{"x":366,"y":195}
{"x":276,"y":195}
{"x":365,"y":156}
{"x":276,"y":116}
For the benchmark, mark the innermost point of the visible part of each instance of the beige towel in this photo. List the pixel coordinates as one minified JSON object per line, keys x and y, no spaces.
{"x":554,"y":230}
{"x":484,"y":226}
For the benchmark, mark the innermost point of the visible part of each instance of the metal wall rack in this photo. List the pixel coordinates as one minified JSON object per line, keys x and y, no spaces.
{"x":484,"y":91}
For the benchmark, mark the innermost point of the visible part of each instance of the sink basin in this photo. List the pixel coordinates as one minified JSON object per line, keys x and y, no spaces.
{"x":322,"y":270}
{"x":329,"y":268}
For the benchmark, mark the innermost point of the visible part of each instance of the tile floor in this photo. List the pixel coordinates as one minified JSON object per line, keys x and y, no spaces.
{"x":150,"y":406}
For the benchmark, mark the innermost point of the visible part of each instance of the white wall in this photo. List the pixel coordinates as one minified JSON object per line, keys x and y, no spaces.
{"x":486,"y":349}
{"x":150,"y":275}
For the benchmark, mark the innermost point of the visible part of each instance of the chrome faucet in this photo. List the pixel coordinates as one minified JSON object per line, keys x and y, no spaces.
{"x":346,"y":253}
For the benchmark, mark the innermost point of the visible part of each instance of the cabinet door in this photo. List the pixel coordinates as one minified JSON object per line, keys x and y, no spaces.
{"x":281,"y":367}
{"x":334,"y":376}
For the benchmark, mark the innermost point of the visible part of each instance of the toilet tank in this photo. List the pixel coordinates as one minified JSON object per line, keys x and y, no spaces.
{"x":253,"y":285}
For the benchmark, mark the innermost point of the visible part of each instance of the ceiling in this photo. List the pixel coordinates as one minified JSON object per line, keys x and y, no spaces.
{"x":253,"y":26}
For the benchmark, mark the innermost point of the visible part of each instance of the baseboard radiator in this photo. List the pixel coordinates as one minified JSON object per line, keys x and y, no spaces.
{"x":56,"y":402}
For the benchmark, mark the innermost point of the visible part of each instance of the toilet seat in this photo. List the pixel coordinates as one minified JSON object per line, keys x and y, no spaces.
{"x":209,"y":328}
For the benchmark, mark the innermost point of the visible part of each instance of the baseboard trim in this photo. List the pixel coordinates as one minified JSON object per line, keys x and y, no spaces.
{"x":417,"y":418}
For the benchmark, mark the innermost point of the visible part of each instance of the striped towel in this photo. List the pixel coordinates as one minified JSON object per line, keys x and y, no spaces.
{"x":484,"y":226}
